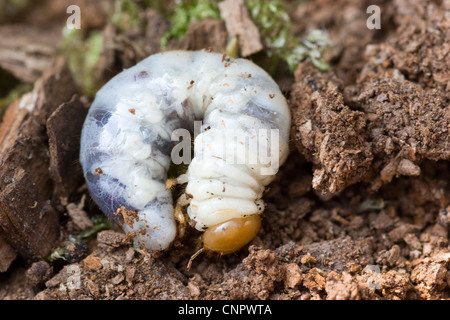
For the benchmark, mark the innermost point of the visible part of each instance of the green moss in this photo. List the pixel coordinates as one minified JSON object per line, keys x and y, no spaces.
{"x":184,"y":13}
{"x":275,"y":28}
{"x":100,"y":222}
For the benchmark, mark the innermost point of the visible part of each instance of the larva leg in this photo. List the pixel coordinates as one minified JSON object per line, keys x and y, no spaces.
{"x":172,"y":182}
{"x":179,"y":214}
{"x":182,"y":202}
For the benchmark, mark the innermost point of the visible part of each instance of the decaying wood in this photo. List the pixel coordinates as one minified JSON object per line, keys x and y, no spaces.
{"x":13,"y":118}
{"x":7,"y":254}
{"x":26,"y":51}
{"x":63,"y":129}
{"x":238,"y":23}
{"x":30,"y":223}
{"x":28,"y":220}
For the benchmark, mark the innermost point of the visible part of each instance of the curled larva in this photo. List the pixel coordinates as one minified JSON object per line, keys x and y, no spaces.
{"x":128,"y":140}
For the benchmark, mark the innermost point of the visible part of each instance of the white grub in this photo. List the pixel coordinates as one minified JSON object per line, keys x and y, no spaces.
{"x":127,"y":134}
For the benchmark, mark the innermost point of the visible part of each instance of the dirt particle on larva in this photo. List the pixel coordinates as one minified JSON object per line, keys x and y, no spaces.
{"x":226,"y":58}
{"x":129,"y":216}
{"x":272,"y":95}
{"x":141,"y":75}
{"x":191,"y":84}
{"x":226,"y":85}
{"x":132,"y":111}
{"x":98,"y":171}
{"x":129,"y":236}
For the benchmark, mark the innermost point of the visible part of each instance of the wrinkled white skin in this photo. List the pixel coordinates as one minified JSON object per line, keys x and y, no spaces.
{"x":127,"y":134}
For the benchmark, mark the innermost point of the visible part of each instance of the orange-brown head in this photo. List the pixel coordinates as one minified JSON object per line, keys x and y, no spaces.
{"x":231,"y":235}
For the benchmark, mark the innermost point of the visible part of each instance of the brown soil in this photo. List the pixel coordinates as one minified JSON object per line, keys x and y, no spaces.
{"x":360,"y":210}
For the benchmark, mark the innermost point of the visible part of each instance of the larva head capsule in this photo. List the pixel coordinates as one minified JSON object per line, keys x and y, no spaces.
{"x":231,"y":235}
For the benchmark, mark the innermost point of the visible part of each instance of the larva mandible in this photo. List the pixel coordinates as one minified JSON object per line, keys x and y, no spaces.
{"x":126,"y":146}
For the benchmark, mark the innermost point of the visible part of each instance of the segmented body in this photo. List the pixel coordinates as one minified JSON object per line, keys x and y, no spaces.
{"x":126,"y":141}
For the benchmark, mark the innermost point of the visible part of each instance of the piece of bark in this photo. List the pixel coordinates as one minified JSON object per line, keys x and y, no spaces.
{"x":12,"y":120}
{"x":54,"y":87}
{"x":64,"y":130}
{"x":26,"y":51}
{"x":7,"y":254}
{"x":30,"y":222}
{"x":27,"y":220}
{"x":238,"y":23}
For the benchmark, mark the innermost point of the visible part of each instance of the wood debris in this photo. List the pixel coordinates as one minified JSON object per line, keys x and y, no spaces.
{"x":26,"y":51}
{"x":29,"y":222}
{"x":238,"y":23}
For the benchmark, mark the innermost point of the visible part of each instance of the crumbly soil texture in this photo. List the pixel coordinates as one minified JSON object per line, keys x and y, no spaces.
{"x":360,"y":209}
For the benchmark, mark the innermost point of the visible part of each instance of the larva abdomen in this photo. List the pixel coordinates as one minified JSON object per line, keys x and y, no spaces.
{"x":126,"y":141}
